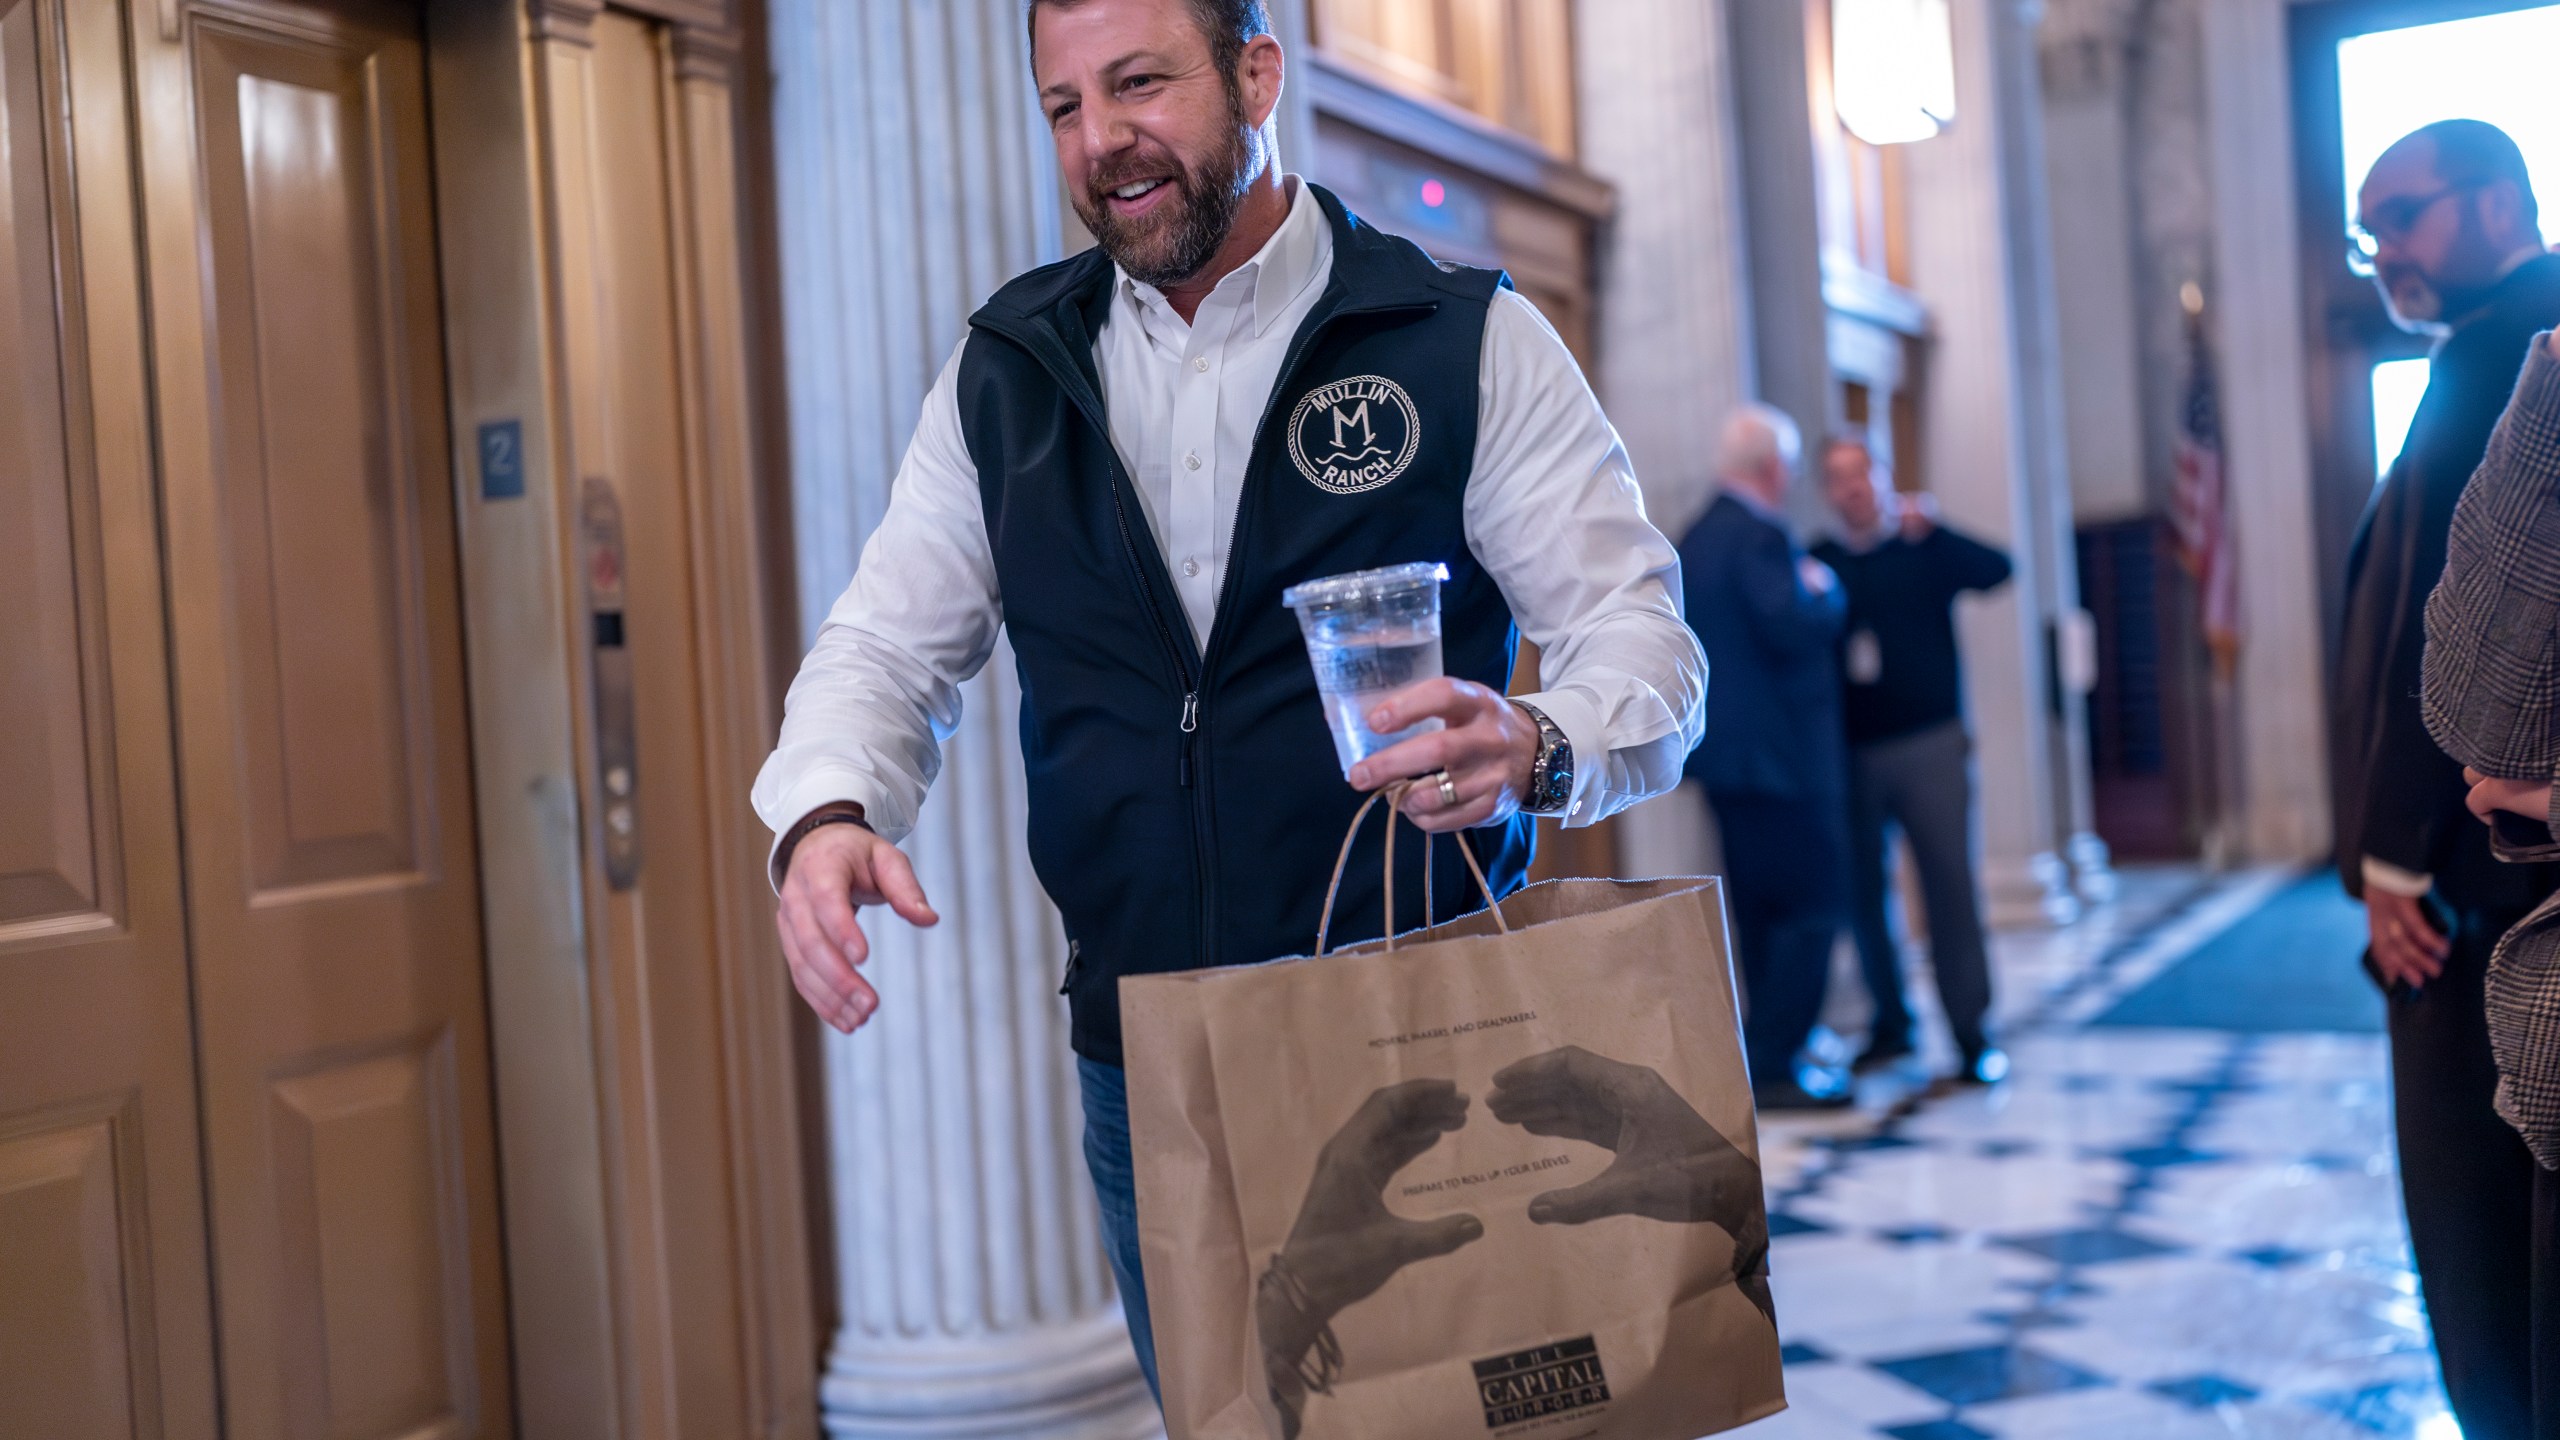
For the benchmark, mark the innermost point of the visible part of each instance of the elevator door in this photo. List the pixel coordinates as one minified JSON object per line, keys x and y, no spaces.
{"x":324,"y":772}
{"x":247,"y":1179}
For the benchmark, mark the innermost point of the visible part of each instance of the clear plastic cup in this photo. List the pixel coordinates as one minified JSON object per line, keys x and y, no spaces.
{"x":1369,"y":633}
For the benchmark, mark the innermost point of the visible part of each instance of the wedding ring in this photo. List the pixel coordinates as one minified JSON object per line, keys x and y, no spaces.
{"x":1448,"y":790}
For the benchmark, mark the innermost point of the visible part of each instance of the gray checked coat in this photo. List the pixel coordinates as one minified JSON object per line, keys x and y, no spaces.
{"x":2492,"y":700}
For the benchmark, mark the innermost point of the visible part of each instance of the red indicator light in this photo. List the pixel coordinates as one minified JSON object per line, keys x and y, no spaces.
{"x":1434,"y":194}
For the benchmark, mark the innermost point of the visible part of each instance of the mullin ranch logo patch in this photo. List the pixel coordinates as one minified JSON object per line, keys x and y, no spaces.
{"x":1355,"y":434}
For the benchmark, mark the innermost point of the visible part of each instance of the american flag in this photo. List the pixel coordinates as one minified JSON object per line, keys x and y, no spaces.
{"x":2198,"y":508}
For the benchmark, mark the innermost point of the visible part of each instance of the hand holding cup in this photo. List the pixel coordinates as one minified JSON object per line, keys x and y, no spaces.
{"x":1484,"y":745}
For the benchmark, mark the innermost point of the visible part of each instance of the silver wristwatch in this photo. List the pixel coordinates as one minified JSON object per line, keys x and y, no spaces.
{"x":1551,"y":777}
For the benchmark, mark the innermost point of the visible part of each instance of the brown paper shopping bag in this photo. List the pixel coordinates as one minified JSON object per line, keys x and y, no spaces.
{"x":1496,"y":1177}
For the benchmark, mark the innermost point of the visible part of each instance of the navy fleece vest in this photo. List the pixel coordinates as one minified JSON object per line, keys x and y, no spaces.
{"x":1186,"y":804}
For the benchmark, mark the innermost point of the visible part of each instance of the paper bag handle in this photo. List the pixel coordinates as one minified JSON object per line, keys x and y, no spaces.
{"x":1394,"y":795}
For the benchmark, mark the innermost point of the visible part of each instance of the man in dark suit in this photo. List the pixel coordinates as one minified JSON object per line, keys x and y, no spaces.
{"x":2447,"y":223}
{"x":1774,"y":759}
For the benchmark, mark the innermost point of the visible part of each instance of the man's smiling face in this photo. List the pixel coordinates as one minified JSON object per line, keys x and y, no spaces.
{"x":1154,"y":142}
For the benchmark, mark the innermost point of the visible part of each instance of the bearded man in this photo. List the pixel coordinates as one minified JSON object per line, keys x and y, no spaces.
{"x":2447,"y":227}
{"x":1123,"y":464}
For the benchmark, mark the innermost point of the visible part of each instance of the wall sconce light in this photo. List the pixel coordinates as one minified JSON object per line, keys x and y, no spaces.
{"x":1893,"y":69}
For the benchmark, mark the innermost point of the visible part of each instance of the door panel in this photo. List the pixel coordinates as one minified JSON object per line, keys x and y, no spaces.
{"x":68,"y":1328}
{"x":51,"y":702}
{"x":373,"y":1240}
{"x":331,"y":884}
{"x":322,"y":557}
{"x":104,"y":1316}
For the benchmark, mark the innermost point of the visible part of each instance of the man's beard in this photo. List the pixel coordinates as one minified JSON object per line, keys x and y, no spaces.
{"x":1174,"y":241}
{"x":2416,"y":305}
{"x":2425,"y":304}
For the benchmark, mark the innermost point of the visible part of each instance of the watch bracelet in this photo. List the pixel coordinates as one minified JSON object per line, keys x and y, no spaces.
{"x":1551,"y":740}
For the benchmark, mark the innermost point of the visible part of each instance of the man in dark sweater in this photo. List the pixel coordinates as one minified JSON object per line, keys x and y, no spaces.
{"x":1910,"y":759}
{"x":2447,"y":222}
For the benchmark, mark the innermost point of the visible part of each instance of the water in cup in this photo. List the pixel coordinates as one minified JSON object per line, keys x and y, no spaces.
{"x":1369,"y":634}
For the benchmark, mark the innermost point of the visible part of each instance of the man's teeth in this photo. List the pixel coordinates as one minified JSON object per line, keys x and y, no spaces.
{"x":1136,"y":188}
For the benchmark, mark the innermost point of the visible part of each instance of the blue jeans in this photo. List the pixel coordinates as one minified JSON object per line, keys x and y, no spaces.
{"x":1115,"y":1185}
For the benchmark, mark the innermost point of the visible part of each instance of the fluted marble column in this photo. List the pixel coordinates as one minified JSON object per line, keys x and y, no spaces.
{"x":2028,"y":219}
{"x":1988,"y":452}
{"x":2085,"y":52}
{"x":2254,"y":285}
{"x":914,"y":177}
{"x":1657,"y":121}
{"x":1780,"y":181}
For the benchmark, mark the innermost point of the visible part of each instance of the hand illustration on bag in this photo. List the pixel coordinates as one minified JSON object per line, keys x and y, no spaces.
{"x":1672,"y":1165}
{"x":1346,"y":1243}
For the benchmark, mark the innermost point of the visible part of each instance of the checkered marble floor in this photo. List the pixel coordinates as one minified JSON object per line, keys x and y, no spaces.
{"x":2143,"y":1233}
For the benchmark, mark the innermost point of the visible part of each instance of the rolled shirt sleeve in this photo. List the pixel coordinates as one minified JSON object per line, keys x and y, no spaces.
{"x":866,"y":716}
{"x":1553,"y":512}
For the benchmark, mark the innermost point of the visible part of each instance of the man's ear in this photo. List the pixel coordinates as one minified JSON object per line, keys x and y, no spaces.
{"x":1260,"y":73}
{"x":2502,"y":211}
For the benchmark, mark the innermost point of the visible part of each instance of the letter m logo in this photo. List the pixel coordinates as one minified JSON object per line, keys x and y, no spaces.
{"x":1346,"y":419}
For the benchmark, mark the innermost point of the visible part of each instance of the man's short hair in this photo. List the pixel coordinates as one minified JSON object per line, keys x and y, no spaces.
{"x":2477,"y":153}
{"x":1229,"y":24}
{"x":1756,"y":434}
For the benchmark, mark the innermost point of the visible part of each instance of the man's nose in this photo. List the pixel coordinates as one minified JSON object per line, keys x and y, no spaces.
{"x":1104,"y":131}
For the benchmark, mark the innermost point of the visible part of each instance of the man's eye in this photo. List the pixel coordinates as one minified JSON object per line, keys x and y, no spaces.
{"x":1059,"y":116}
{"x":1138,"y":82}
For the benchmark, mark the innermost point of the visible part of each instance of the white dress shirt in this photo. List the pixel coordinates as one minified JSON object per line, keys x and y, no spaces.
{"x":1551,"y":511}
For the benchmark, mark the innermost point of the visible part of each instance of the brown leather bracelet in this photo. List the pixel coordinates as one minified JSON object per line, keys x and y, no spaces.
{"x":844,"y":812}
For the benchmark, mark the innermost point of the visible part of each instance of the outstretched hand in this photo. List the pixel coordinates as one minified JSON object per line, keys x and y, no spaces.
{"x":1672,"y":1165}
{"x":834,"y":870}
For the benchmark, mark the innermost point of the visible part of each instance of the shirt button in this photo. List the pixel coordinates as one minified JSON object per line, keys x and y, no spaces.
{"x":1190,"y":569}
{"x":1201,"y":364}
{"x":1192,"y":460}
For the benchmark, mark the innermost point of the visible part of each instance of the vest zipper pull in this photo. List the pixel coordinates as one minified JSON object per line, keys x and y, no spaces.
{"x":1190,"y":723}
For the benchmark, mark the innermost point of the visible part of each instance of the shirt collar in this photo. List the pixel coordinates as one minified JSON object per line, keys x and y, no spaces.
{"x":2519,"y":260}
{"x":1295,"y":257}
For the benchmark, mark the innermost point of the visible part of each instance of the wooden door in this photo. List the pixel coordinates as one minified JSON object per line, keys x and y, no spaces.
{"x":324,"y":770}
{"x":104,"y":1314}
